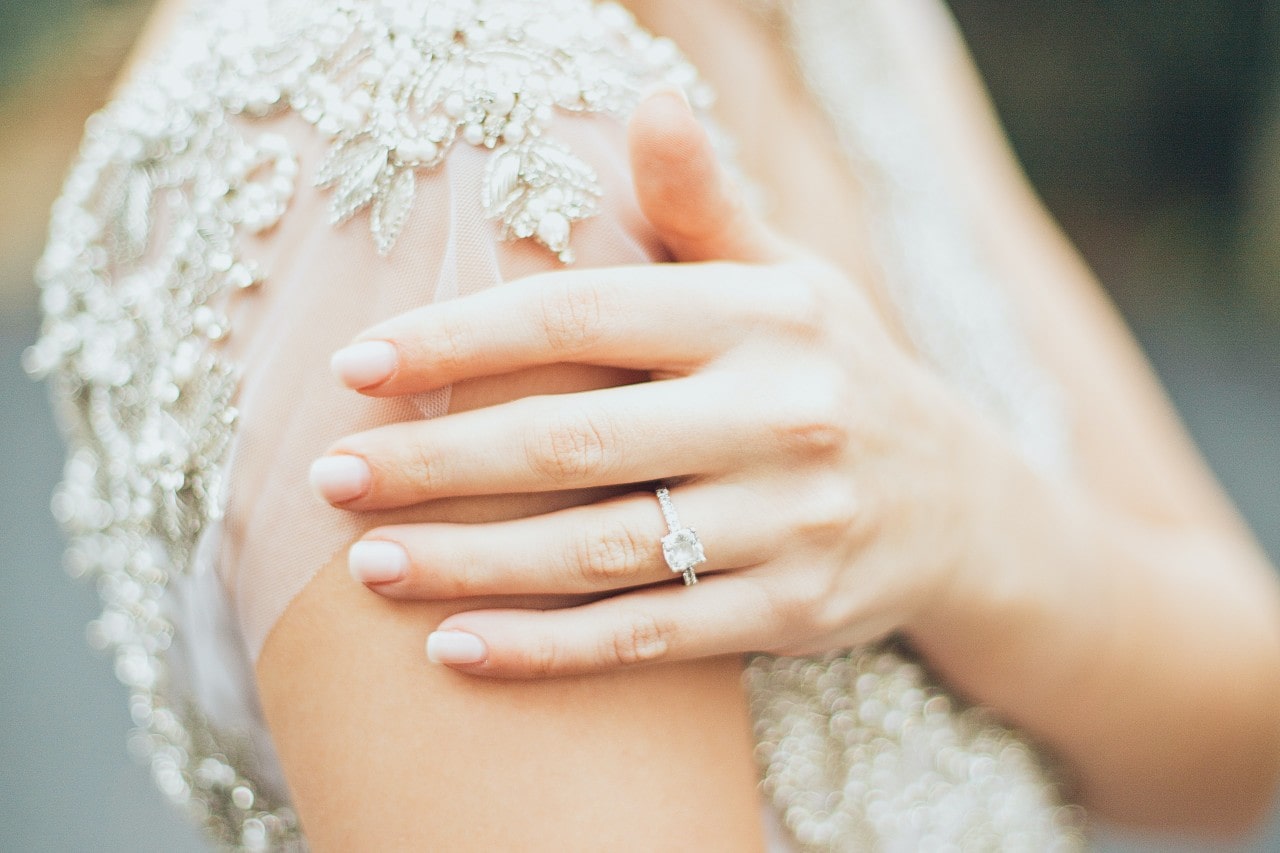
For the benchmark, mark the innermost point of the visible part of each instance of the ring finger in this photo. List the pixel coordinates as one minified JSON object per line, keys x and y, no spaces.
{"x":611,"y":545}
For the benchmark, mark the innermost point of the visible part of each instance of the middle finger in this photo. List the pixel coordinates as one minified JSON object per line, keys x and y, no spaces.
{"x":631,"y":434}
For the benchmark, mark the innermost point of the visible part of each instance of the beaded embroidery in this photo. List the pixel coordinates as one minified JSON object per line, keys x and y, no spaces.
{"x":398,"y":83}
{"x":858,"y":749}
{"x":143,"y":254}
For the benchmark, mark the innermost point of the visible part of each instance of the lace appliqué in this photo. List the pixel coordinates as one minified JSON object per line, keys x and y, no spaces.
{"x":397,"y":85}
{"x":143,"y":256}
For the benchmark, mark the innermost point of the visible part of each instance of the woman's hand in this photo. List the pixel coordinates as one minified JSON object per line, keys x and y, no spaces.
{"x":822,"y":466}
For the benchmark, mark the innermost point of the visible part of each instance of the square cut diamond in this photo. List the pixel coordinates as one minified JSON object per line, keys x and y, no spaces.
{"x":682,"y":549}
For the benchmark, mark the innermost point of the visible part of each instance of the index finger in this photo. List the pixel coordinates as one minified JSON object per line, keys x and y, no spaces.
{"x":655,"y":317}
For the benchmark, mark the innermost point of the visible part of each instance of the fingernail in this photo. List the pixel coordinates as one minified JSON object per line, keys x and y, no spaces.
{"x":340,"y":478}
{"x":667,"y":89}
{"x":376,"y":561}
{"x":455,"y":647}
{"x":364,"y":364}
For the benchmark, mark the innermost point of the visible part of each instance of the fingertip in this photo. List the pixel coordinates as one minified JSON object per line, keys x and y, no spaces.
{"x":364,"y":365}
{"x":667,"y":89}
{"x":683,"y":189}
{"x":451,"y":647}
{"x":377,"y":561}
{"x":669,"y":147}
{"x":340,"y":478}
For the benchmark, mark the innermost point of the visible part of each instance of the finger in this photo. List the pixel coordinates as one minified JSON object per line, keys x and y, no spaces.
{"x":666,"y":319}
{"x":684,"y":192}
{"x":727,"y":614}
{"x":601,"y":547}
{"x":631,"y":434}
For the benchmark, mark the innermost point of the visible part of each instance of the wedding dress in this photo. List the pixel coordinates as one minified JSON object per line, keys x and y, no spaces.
{"x":191,"y":289}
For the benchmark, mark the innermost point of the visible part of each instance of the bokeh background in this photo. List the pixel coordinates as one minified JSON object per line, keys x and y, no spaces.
{"x":1152,"y":129}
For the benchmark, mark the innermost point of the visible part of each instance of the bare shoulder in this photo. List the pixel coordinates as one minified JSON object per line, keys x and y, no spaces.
{"x":385,"y":751}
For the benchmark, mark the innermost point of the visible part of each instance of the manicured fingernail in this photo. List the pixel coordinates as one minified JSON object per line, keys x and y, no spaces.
{"x":667,"y":89}
{"x":455,"y":647}
{"x":364,"y":364}
{"x":340,"y":478}
{"x":376,"y":561}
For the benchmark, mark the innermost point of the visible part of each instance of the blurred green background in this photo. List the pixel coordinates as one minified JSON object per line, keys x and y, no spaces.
{"x":1151,"y":129}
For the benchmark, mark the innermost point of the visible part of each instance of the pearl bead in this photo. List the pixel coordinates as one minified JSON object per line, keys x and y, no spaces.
{"x":513,"y":133}
{"x":553,"y":229}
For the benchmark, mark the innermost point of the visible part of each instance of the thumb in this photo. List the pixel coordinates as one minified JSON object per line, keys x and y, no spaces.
{"x":698,"y":210}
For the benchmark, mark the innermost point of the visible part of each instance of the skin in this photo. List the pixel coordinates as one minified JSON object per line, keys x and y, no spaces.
{"x":1124,"y":616}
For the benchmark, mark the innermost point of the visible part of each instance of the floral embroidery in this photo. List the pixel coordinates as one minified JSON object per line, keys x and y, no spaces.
{"x":398,"y":84}
{"x":143,"y":252}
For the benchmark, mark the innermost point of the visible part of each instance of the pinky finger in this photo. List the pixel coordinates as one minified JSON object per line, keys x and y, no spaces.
{"x":725,"y":614}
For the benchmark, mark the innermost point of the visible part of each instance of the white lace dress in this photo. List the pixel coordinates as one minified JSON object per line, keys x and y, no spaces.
{"x":278,"y":153}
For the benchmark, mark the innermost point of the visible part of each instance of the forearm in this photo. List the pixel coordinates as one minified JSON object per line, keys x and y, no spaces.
{"x":1147,"y":657}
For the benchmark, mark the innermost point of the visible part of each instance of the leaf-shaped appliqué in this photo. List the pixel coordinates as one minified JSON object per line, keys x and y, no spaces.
{"x":341,"y":157}
{"x":558,"y":164}
{"x":538,"y":189}
{"x":358,"y":167}
{"x":502,"y":181}
{"x":551,"y":165}
{"x":391,"y":209}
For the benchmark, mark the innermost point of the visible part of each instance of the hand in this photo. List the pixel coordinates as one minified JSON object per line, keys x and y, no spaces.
{"x":823,"y":467}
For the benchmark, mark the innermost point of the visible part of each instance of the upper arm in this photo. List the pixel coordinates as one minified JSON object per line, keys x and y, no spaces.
{"x":381,"y":749}
{"x":384,"y":751}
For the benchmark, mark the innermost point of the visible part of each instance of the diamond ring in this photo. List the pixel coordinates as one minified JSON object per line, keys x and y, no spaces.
{"x":680,"y":547}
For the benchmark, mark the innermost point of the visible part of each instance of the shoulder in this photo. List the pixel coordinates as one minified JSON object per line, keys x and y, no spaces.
{"x":191,"y":219}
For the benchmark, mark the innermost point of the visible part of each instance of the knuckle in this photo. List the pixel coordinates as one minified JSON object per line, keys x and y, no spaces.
{"x":814,"y":419}
{"x":832,"y":512}
{"x":608,"y":555}
{"x":804,"y":309}
{"x":802,"y":606}
{"x":464,"y":578}
{"x":542,"y":657}
{"x":450,"y":348}
{"x":571,"y":316}
{"x":641,"y":638}
{"x":791,"y":610}
{"x":419,"y":471}
{"x":569,"y":446}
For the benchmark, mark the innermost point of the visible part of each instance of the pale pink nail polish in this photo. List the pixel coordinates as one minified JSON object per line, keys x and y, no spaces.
{"x":455,"y":647}
{"x":364,"y":364}
{"x":665,"y":88}
{"x":376,"y":561}
{"x":340,"y":478}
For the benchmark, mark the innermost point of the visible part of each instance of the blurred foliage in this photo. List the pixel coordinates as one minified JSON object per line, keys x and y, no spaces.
{"x":1139,"y":122}
{"x":36,"y":31}
{"x":1121,"y":100}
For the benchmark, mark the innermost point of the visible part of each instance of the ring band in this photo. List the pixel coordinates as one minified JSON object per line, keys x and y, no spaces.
{"x":681,"y":547}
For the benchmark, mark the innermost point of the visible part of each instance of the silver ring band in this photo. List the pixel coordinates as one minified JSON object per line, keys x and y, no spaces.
{"x":681,"y":547}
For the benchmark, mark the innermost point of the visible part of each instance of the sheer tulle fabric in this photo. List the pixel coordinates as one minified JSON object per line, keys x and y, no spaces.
{"x":323,"y":286}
